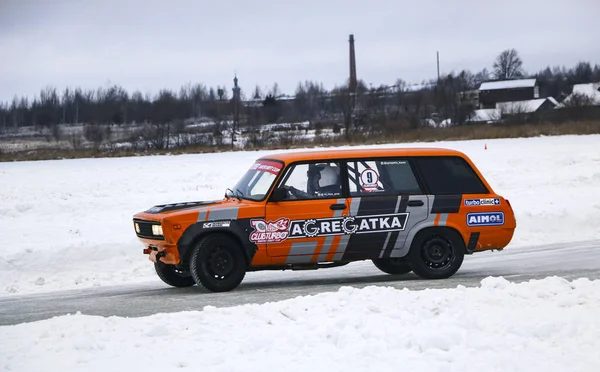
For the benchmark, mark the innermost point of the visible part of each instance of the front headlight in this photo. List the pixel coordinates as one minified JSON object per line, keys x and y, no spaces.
{"x":137,"y":227}
{"x":157,"y":230}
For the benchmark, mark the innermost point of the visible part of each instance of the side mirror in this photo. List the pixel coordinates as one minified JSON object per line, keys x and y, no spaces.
{"x":278,"y":194}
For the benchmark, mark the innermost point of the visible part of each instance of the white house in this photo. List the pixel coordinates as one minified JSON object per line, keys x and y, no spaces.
{"x":583,"y":94}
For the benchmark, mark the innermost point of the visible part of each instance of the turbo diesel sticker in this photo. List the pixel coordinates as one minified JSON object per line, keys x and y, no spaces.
{"x":485,"y":219}
{"x":482,"y":202}
{"x":270,"y":232}
{"x":283,"y":228}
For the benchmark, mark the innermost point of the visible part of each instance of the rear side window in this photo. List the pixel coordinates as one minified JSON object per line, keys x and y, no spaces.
{"x":450,"y":175}
{"x":381,"y":176}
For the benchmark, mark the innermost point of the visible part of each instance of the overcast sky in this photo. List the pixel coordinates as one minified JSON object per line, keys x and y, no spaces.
{"x":147,"y":45}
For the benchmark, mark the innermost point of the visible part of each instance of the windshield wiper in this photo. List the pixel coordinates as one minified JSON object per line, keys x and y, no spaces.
{"x":228,"y":194}
{"x":241,"y":193}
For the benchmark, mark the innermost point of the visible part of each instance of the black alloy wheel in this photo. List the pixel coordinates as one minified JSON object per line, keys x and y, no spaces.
{"x":173,"y":276}
{"x":436,"y":253}
{"x":218,"y":263}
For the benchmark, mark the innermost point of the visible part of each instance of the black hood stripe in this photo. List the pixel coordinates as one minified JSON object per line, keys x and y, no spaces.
{"x":178,"y":206}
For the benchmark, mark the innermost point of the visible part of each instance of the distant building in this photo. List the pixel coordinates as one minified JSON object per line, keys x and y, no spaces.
{"x":493,"y":92}
{"x":236,"y":104}
{"x":505,"y":109}
{"x":582,"y":95}
{"x":527,"y":107}
{"x":470,"y":97}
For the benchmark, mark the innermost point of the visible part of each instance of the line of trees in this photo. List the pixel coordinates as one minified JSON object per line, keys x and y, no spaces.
{"x":311,"y":101}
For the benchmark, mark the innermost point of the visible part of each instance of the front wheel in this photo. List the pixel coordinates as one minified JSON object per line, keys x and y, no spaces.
{"x":173,"y":276}
{"x":394,"y":266}
{"x":436,"y":253}
{"x":218,"y":263}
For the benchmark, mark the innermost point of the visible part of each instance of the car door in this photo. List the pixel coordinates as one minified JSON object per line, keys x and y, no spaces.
{"x":309,"y":215}
{"x":386,"y":201}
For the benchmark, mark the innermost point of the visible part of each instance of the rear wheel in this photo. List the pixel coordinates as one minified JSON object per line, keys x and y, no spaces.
{"x":436,"y":253}
{"x":173,"y":276}
{"x":218,"y":263}
{"x":394,"y":266}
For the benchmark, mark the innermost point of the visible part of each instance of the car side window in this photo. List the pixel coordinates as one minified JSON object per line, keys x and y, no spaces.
{"x":313,"y":181}
{"x":385,"y":176}
{"x":450,"y":175}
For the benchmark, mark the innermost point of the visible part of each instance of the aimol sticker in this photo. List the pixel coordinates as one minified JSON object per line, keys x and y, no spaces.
{"x":485,"y":219}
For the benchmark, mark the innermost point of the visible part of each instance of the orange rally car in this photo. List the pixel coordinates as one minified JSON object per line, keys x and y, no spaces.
{"x":418,"y":210}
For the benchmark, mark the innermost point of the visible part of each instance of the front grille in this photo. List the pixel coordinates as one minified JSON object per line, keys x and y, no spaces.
{"x":146,"y":229}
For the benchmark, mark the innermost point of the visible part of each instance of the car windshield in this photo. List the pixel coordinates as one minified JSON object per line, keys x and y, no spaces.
{"x":257,"y":181}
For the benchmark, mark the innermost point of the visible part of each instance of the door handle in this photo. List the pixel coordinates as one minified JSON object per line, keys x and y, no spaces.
{"x":337,"y":206}
{"x":415,"y":203}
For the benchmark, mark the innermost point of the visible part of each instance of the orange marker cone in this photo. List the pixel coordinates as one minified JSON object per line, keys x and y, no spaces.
{"x":485,"y":147}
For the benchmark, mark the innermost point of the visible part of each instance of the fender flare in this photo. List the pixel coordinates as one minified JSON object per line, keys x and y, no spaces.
{"x":238,"y":229}
{"x":403,"y":251}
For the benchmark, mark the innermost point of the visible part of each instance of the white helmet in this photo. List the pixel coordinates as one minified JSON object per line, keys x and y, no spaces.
{"x":329,"y":176}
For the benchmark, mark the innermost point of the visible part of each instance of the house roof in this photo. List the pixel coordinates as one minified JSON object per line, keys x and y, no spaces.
{"x":507,"y":84}
{"x":590,"y":90}
{"x":523,"y":107}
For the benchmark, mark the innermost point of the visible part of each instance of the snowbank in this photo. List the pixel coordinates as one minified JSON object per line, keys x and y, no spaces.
{"x":67,"y":223}
{"x":546,"y":325}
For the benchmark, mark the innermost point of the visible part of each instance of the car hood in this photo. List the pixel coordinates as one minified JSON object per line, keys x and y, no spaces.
{"x":175,"y":207}
{"x":226,"y":209}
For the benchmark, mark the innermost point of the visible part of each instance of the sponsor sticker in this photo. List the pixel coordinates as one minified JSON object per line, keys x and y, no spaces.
{"x":269,"y":231}
{"x":282,"y":229}
{"x":208,"y":225}
{"x":266,"y":166}
{"x":348,"y":225}
{"x":393,"y":162}
{"x":485,"y":219}
{"x":482,"y":202}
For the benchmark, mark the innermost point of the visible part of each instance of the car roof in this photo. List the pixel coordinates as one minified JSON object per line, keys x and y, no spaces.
{"x":292,"y":156}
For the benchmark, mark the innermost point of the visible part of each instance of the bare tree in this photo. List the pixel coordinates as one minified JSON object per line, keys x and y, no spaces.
{"x":578,"y":100}
{"x":94,"y":134}
{"x":275,"y":91}
{"x":401,"y":88}
{"x":508,"y":65}
{"x":342,"y":102}
{"x":481,"y":76}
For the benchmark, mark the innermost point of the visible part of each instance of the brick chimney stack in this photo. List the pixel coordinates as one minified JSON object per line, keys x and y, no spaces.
{"x":353,"y":82}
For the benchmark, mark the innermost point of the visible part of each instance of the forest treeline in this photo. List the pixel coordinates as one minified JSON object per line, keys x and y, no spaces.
{"x":310,"y":101}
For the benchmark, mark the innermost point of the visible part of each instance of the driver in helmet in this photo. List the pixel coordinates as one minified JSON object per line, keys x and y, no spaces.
{"x":323,"y":181}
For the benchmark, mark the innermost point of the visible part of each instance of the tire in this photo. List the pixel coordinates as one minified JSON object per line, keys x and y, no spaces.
{"x":436,"y":253}
{"x":393,"y":266}
{"x":172,"y":276}
{"x":217,"y":263}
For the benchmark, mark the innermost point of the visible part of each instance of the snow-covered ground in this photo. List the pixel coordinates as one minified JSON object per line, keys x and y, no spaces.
{"x":556,"y":329}
{"x":67,"y":223}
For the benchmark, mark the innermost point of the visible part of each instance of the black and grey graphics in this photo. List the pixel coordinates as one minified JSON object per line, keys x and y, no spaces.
{"x":446,"y":204}
{"x":178,"y":206}
{"x":440,"y":207}
{"x":380,"y":243}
